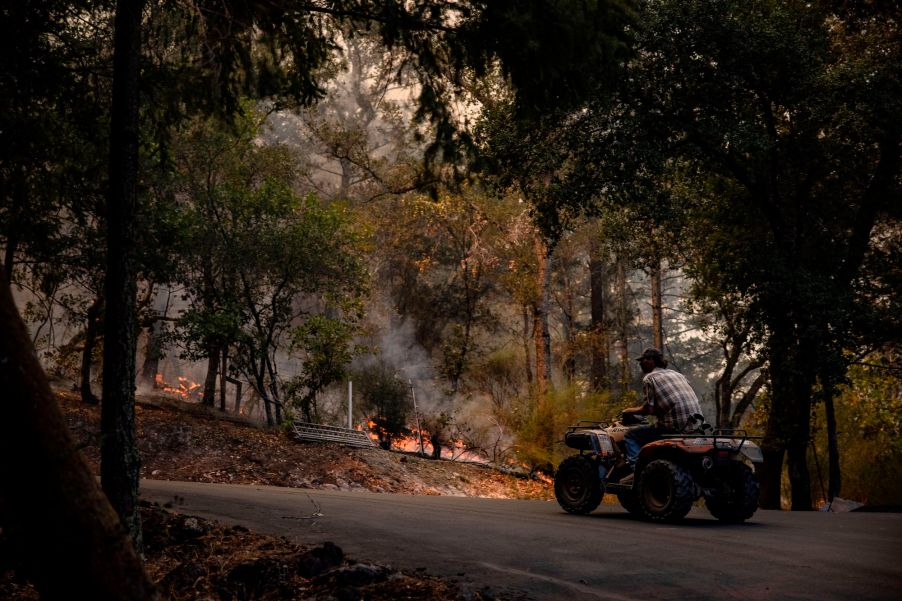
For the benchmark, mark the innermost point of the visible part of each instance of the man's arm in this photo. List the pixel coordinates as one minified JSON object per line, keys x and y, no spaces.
{"x":646,"y":408}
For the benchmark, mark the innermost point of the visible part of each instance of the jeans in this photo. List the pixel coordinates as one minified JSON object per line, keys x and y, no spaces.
{"x":638,"y":437}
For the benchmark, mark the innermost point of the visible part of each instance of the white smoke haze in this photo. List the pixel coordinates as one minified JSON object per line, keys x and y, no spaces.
{"x":395,"y":346}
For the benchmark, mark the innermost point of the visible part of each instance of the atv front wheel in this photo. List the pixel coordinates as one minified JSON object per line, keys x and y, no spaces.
{"x":666,"y":491}
{"x":737,"y":497}
{"x":577,"y":485}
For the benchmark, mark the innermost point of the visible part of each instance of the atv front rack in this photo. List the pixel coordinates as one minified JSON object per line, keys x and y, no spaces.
{"x":583,"y":437}
{"x":586,"y":424}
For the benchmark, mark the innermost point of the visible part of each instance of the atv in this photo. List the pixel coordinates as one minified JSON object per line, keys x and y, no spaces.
{"x":671,"y":473}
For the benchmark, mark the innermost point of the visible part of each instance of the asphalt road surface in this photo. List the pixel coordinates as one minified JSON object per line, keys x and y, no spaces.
{"x":534,"y":548}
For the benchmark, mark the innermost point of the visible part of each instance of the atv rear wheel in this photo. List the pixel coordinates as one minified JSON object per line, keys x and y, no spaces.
{"x":666,"y":491}
{"x":577,"y":485}
{"x":737,"y":498}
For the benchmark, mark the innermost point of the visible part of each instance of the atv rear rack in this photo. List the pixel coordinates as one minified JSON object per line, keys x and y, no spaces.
{"x":719,"y":437}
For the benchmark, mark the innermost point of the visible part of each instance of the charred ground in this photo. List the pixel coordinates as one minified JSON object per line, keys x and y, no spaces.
{"x":191,"y":558}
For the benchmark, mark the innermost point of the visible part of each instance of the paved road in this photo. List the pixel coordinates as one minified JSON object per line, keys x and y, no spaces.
{"x":533,"y":547}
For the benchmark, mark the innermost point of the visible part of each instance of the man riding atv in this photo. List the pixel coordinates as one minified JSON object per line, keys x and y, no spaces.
{"x":658,"y":472}
{"x":668,"y":396}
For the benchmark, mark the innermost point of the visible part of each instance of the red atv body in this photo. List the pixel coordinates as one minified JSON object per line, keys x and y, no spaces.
{"x":671,"y":473}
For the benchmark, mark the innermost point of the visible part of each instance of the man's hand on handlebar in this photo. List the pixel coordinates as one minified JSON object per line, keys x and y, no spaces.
{"x":632,"y":416}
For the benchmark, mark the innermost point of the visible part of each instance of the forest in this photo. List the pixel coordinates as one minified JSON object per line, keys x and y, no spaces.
{"x":477,"y":212}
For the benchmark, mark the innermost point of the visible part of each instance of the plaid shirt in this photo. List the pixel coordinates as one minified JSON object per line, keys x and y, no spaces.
{"x":670,"y":398}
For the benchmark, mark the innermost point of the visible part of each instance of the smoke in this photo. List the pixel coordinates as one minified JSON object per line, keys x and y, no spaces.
{"x":395,"y":347}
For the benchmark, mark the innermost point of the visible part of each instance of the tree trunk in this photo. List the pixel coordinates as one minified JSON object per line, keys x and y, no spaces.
{"x":623,"y":319}
{"x":152,"y":355}
{"x":274,"y":391}
{"x":119,"y":460}
{"x":789,"y":422}
{"x":264,"y":396}
{"x":87,"y":354}
{"x":546,"y":311}
{"x":436,"y":441}
{"x":223,"y":372}
{"x":724,"y":386}
{"x":770,"y":476}
{"x":800,"y":440}
{"x":306,"y":403}
{"x":541,"y":334}
{"x":835,"y":477}
{"x":569,"y":327}
{"x":657,"y":308}
{"x":748,"y":397}
{"x":209,"y":398}
{"x":597,"y":289}
{"x":799,"y":476}
{"x":526,"y":338}
{"x":723,"y":398}
{"x":59,"y":523}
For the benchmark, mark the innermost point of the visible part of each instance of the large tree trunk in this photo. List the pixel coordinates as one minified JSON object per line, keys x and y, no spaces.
{"x":800,"y":441}
{"x":119,"y":460}
{"x":60,"y":524}
{"x":789,"y":422}
{"x":770,"y":476}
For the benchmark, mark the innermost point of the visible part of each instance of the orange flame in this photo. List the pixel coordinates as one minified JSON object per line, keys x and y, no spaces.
{"x":453,"y":449}
{"x":185,"y":389}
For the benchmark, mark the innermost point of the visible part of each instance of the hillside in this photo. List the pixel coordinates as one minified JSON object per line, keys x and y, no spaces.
{"x":191,"y":558}
{"x":188,"y":441}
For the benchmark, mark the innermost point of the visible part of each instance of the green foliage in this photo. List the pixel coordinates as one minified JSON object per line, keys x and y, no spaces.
{"x":540,"y":432}
{"x":501,"y":376}
{"x":532,"y":155}
{"x":440,"y":260}
{"x":258,"y":261}
{"x":325,"y":344}
{"x":869,"y":432}
{"x":199,"y":330}
{"x":386,"y":398}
